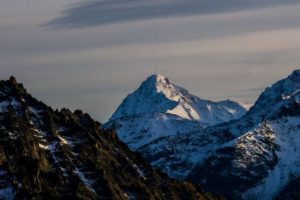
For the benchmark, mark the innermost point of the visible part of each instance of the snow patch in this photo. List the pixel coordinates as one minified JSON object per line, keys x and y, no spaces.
{"x":129,"y":195}
{"x":13,"y":135}
{"x":15,"y":104}
{"x":139,"y":171}
{"x":87,"y":182}
{"x":7,"y":193}
{"x":3,"y":106}
{"x":63,"y":140}
{"x":35,"y":111}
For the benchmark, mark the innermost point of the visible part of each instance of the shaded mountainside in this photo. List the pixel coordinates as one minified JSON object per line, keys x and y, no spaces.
{"x":290,"y":191}
{"x":47,"y":154}
{"x":264,"y":161}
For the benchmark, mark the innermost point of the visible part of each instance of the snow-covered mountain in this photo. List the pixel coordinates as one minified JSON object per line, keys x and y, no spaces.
{"x":51,"y":154}
{"x":158,"y":95}
{"x":159,"y":108}
{"x":264,"y":160}
{"x":253,"y":157}
{"x":140,"y":129}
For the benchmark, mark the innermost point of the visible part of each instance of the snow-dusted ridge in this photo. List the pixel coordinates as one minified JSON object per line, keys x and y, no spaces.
{"x":262,"y":158}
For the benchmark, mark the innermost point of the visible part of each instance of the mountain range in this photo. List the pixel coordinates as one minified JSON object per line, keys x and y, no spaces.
{"x":233,"y":152}
{"x":59,"y":154}
{"x":230,"y":151}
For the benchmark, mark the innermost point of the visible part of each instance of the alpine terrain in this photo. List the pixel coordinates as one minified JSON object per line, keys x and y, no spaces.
{"x":250,"y":156}
{"x":51,"y":154}
{"x":159,"y":108}
{"x":262,"y":161}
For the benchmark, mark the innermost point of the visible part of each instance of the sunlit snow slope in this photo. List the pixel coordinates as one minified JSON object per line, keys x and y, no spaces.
{"x":159,"y":108}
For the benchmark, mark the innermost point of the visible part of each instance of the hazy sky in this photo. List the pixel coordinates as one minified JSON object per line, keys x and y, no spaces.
{"x":90,"y":54}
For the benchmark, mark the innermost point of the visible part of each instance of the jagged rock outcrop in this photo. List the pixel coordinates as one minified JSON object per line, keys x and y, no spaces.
{"x":51,"y":154}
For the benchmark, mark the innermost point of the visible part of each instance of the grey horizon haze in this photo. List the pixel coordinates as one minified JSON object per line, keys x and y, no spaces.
{"x":90,"y":54}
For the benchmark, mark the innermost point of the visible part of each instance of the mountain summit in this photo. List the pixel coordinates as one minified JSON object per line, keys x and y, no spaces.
{"x":274,"y":96}
{"x":159,"y":95}
{"x":159,"y":108}
{"x":155,"y":95}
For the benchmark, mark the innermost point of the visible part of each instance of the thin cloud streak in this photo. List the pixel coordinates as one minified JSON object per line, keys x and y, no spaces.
{"x":214,"y":55}
{"x":262,"y":44}
{"x":94,"y":12}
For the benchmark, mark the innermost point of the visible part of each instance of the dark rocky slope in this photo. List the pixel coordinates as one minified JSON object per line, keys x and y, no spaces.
{"x":47,"y":154}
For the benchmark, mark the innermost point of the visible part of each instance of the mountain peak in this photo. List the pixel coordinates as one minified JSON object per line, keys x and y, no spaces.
{"x":11,"y":86}
{"x":10,"y":82}
{"x":159,"y":95}
{"x":156,"y":82}
{"x":296,"y":71}
{"x":295,"y":76}
{"x":275,"y":96}
{"x":156,"y":78}
{"x":155,"y":94}
{"x":13,"y":80}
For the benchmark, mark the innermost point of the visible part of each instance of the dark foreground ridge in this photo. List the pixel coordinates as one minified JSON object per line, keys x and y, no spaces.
{"x":47,"y":154}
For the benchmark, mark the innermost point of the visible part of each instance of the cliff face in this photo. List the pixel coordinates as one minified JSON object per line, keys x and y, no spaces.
{"x":47,"y":154}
